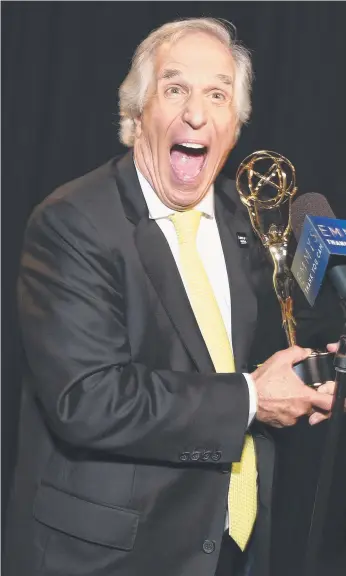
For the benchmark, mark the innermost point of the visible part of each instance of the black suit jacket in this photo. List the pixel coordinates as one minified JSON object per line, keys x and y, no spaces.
{"x":127,"y":435}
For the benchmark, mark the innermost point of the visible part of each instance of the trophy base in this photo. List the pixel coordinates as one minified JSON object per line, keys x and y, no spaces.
{"x":316,"y":369}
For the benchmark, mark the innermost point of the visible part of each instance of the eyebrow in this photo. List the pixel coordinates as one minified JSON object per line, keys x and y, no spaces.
{"x":225,"y":79}
{"x":169,"y":73}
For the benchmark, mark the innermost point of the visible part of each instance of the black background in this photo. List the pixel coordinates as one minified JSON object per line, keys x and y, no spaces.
{"x":62,"y":63}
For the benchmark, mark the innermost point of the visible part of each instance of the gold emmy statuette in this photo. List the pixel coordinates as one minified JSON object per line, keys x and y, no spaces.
{"x":266,"y":183}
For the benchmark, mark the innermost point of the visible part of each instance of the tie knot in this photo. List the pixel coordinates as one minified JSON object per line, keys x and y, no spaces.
{"x":186,"y":225}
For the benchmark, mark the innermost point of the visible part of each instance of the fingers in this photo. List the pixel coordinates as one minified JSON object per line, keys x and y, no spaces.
{"x":317,"y":418}
{"x":296,"y":354}
{"x":321,"y":401}
{"x":284,"y":422}
{"x":326,"y":388}
{"x":333,"y":347}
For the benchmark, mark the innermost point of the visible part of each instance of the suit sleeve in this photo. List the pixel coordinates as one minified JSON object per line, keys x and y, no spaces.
{"x":72,"y":307}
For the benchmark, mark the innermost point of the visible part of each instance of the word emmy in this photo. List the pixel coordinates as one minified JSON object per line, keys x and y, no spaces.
{"x":329,"y":232}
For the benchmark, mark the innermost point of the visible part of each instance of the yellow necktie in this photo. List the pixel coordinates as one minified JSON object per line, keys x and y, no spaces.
{"x":242,"y":496}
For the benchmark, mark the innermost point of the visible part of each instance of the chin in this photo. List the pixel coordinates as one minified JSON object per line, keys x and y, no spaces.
{"x":187,"y":198}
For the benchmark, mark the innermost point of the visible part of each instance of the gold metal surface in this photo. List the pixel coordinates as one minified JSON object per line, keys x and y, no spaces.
{"x":279,"y":178}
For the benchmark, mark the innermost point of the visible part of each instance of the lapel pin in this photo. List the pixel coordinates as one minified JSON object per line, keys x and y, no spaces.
{"x":242,"y":239}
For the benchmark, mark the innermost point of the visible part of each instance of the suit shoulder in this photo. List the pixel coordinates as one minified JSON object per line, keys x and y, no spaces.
{"x":231,"y":195}
{"x":92,"y":200}
{"x":88,"y":208}
{"x":85,"y":192}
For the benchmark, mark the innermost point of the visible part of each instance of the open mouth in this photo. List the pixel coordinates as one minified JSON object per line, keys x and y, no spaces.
{"x":187,"y":160}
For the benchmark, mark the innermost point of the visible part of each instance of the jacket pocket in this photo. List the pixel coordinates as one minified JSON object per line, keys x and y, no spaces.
{"x":97,"y":523}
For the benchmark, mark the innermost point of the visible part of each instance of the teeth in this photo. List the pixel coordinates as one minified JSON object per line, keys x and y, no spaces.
{"x":191,"y":145}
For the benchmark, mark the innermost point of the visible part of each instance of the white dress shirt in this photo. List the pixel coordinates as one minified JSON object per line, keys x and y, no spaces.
{"x":210,"y":251}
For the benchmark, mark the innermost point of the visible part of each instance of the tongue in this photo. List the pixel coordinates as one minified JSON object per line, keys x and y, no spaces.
{"x":186,"y":166}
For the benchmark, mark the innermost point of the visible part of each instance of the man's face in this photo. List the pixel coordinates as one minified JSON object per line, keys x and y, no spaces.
{"x":189,"y":123}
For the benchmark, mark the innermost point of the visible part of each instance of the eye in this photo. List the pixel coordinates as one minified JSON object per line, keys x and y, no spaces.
{"x":174,"y":91}
{"x":220,"y":96}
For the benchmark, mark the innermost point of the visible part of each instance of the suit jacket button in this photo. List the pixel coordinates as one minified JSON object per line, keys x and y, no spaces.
{"x":184,"y":456}
{"x":195,"y":455}
{"x":206,"y":455}
{"x":216,"y":456}
{"x":208,"y":546}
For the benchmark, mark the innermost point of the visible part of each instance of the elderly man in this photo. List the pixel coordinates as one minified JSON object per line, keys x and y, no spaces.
{"x":142,"y":447}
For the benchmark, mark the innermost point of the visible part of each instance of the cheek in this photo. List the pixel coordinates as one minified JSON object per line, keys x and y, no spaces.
{"x":226,"y":135}
{"x":154,"y":129}
{"x":166,"y":114}
{"x":150,"y":120}
{"x":224,"y":144}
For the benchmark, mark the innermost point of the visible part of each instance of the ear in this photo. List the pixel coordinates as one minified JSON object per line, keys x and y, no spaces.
{"x":138,"y":126}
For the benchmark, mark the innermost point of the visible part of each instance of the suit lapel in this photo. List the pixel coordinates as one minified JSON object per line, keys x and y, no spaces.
{"x":129,"y":188}
{"x":243,"y":301}
{"x":160,"y":265}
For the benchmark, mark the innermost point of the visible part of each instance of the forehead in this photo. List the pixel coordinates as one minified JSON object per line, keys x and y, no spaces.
{"x":195,"y":52}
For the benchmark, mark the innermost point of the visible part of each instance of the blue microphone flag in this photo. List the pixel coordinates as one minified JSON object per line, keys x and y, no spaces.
{"x":321,"y":238}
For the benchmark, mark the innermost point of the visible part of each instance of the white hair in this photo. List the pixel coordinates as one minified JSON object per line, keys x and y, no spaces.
{"x":134,"y":89}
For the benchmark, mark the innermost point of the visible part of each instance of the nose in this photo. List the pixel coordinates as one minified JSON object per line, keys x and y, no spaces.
{"x":195,"y":113}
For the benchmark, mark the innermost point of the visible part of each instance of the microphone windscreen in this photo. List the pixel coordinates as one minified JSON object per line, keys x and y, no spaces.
{"x":311,"y":204}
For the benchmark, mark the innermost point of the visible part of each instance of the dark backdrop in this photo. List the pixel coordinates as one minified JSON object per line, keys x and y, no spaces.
{"x":62,"y":63}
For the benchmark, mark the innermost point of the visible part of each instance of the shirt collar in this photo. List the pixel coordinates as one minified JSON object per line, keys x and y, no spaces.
{"x":157,"y":209}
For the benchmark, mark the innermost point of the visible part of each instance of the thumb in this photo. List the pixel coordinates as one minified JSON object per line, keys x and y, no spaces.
{"x":296,"y":354}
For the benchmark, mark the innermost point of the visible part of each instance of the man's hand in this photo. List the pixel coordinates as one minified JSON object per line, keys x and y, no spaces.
{"x":326,"y":388}
{"x":282,"y":397}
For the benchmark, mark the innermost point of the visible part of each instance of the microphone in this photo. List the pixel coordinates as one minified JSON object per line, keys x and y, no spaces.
{"x":321,"y":250}
{"x":321,"y":246}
